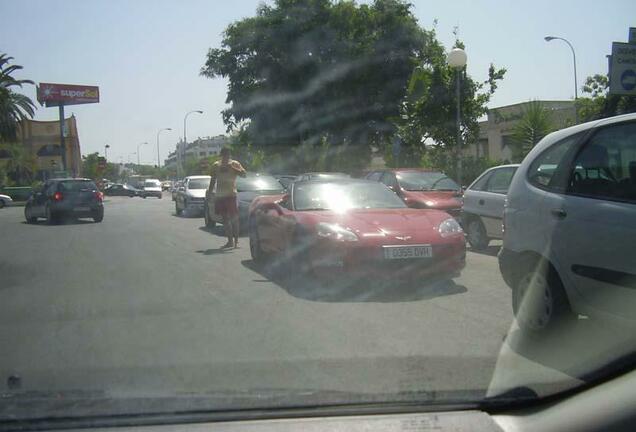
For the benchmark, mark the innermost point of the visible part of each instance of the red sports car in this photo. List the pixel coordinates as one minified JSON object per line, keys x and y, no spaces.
{"x":356,"y":227}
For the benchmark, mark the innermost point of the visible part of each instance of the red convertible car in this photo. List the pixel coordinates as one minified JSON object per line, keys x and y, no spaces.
{"x":354,"y":227}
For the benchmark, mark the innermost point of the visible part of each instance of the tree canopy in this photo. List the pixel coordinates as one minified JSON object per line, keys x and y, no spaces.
{"x":13,"y":106}
{"x":304,"y":70}
{"x":599,"y":103}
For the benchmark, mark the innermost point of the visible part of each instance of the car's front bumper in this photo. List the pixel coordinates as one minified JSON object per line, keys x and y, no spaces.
{"x":328,"y":260}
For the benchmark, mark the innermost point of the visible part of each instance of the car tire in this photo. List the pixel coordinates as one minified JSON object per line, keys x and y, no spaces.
{"x":160,"y":196}
{"x":98,"y":216}
{"x":28,"y":215}
{"x":2,"y":203}
{"x":476,"y":234}
{"x":539,"y":302}
{"x":177,"y":210}
{"x":209,"y":223}
{"x":257,"y":253}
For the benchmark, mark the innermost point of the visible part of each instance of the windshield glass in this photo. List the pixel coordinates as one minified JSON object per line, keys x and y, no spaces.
{"x":423,"y":181}
{"x":198,"y":184}
{"x":344,"y":196}
{"x":366,"y":279}
{"x":77,"y":185}
{"x":258,"y":183}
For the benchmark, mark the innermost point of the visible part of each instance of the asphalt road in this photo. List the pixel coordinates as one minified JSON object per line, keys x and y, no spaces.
{"x":147,"y":302}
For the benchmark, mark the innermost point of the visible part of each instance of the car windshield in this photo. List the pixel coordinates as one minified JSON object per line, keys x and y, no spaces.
{"x":258,"y":183}
{"x":367,"y":278}
{"x":77,"y":185}
{"x":199,"y":183}
{"x":426,"y":181}
{"x":341,"y":197}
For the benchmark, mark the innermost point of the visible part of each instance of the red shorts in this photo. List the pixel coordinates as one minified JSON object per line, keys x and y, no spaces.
{"x":226,"y":206}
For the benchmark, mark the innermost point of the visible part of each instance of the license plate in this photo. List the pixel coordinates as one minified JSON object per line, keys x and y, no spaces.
{"x":82,"y":209}
{"x":407,"y":252}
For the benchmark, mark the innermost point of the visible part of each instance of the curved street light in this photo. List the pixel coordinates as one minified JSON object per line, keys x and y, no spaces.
{"x":106,"y":147}
{"x":457,"y":59}
{"x":185,"y":138}
{"x":158,"y":157}
{"x":576,"y":86}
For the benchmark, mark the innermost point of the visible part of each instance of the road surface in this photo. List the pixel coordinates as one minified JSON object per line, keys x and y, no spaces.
{"x":147,"y":302}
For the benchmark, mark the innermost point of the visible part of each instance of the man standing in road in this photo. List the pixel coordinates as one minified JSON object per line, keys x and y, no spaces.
{"x":224,"y":174}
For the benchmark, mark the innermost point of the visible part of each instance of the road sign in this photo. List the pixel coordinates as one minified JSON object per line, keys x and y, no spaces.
{"x":623,"y":69}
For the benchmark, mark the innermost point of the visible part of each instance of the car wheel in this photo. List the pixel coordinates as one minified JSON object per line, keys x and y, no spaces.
{"x":476,"y":234}
{"x":177,"y":210}
{"x":159,"y":196}
{"x":1,"y":204}
{"x":28,"y":215}
{"x":257,"y":253}
{"x":98,"y":216}
{"x":209,"y":222}
{"x":539,"y":301}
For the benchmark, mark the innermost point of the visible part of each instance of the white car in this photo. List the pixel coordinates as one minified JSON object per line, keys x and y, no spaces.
{"x":483,"y":206}
{"x":5,"y":200}
{"x":191,"y":195}
{"x":570,"y":227}
{"x":152,"y":187}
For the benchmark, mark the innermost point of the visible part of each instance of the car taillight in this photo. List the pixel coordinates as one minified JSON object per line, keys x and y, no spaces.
{"x":57,"y":196}
{"x":99,"y":196}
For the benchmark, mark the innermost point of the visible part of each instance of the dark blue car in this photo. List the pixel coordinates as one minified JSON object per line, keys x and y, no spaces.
{"x":67,"y":197}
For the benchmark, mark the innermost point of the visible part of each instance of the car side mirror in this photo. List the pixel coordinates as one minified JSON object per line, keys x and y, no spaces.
{"x":284,"y":201}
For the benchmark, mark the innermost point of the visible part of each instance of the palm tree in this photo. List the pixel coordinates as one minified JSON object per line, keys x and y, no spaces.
{"x":13,"y":106}
{"x":21,"y":164}
{"x":535,"y":123}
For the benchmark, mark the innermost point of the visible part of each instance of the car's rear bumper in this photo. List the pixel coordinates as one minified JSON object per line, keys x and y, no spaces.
{"x":448,"y":260}
{"x":79,"y":210}
{"x":157,"y":194}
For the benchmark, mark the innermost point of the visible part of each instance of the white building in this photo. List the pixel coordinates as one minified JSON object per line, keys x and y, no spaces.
{"x":199,"y":148}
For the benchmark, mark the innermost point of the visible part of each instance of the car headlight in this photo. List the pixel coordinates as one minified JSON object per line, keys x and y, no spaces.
{"x":336,"y":232}
{"x":449,"y":227}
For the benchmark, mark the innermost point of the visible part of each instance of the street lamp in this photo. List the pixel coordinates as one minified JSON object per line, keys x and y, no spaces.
{"x":576,"y":86}
{"x":106,"y":147}
{"x":185,"y":138}
{"x":159,"y":160}
{"x":457,"y":60}
{"x":139,"y":145}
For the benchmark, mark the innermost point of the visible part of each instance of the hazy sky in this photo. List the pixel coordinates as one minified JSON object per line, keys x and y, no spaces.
{"x":145,"y":55}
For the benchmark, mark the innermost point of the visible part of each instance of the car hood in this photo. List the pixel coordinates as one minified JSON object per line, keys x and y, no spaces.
{"x":433,"y":199}
{"x":384,"y":221}
{"x":197,"y":193}
{"x":248,"y":196}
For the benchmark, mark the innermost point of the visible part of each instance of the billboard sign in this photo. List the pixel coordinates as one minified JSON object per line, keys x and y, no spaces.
{"x":623,"y":69}
{"x":66,"y":94}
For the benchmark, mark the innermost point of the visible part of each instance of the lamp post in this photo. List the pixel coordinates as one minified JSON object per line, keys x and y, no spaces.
{"x":158,"y":157}
{"x":139,"y":145}
{"x":457,"y":60}
{"x":106,"y":147}
{"x":185,"y":138}
{"x":576,"y":86}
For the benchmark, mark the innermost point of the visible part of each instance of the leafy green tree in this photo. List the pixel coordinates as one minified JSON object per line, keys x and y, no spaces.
{"x":304,"y":71}
{"x":428,"y":114}
{"x":600,"y":104}
{"x":20,"y":164}
{"x":535,"y":123}
{"x":13,"y":106}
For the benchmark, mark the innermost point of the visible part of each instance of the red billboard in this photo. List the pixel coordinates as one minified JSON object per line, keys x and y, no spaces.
{"x":66,"y":94}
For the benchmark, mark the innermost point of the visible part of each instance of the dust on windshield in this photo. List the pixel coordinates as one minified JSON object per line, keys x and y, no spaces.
{"x":373,"y":279}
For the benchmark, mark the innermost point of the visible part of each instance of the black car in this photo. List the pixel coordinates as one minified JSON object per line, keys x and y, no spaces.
{"x":122,"y":190}
{"x":72,"y":197}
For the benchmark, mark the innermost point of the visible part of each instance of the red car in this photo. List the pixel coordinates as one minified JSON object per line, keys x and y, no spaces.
{"x":355,"y":227}
{"x":420,"y":188}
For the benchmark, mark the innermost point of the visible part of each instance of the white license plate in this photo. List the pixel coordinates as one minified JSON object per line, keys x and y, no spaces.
{"x":82,"y":209}
{"x":407,"y":252}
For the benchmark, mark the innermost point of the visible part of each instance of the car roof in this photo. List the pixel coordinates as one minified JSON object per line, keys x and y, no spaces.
{"x":197,"y":177}
{"x":325,"y":173}
{"x":395,"y":170}
{"x":336,"y":181}
{"x":70,"y":179}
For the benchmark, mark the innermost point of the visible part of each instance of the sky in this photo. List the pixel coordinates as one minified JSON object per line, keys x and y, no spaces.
{"x":145,"y":55}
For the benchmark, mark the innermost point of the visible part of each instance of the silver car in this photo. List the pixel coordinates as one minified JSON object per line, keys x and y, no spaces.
{"x":5,"y":200}
{"x":482,"y":211}
{"x":191,"y":195}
